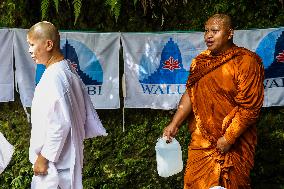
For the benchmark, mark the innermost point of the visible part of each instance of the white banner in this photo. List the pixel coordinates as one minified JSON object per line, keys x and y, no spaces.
{"x":6,"y":66}
{"x":96,"y":56}
{"x":271,"y":49}
{"x":157,"y":65}
{"x":25,"y":67}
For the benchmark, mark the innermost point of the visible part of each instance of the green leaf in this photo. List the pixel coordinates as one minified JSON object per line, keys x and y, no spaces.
{"x":135,"y":2}
{"x":115,"y":6}
{"x":56,"y":3}
{"x":77,"y":9}
{"x":44,"y":7}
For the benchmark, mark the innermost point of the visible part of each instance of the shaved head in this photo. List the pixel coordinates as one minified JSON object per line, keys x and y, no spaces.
{"x":219,"y":33}
{"x":226,"y":20}
{"x":45,"y":31}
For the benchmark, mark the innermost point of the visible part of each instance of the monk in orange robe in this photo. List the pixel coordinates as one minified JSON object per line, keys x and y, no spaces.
{"x":223,"y":100}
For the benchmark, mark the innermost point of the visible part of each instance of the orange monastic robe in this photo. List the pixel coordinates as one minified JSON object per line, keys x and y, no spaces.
{"x":226,"y":92}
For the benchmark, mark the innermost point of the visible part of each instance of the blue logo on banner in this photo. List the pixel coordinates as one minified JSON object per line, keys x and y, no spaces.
{"x":87,"y":64}
{"x":167,"y":76}
{"x":271,"y":50}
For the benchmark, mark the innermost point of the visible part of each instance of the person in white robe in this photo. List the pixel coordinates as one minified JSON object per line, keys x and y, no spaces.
{"x":62,"y":115}
{"x":6,"y":152}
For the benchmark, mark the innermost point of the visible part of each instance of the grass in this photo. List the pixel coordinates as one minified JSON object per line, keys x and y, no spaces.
{"x":127,"y":159}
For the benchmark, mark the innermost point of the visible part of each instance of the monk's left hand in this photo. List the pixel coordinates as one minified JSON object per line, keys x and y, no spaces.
{"x":40,"y":166}
{"x":222,"y":145}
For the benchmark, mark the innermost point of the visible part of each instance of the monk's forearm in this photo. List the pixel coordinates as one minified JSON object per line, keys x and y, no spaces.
{"x":242,"y":120}
{"x":183,"y":110}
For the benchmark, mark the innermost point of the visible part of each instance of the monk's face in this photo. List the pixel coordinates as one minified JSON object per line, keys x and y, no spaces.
{"x":38,"y":49}
{"x":217,"y":35}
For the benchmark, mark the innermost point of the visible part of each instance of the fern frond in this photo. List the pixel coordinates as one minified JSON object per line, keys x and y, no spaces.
{"x":134,"y":2}
{"x":44,"y":7}
{"x":115,"y":6}
{"x":117,"y":9}
{"x":56,"y":3}
{"x":77,"y":8}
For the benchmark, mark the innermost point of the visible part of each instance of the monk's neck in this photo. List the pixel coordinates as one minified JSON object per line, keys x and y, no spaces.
{"x":226,"y":48}
{"x":54,"y":59}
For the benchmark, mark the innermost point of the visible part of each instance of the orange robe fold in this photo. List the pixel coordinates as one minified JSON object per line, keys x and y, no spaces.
{"x":226,"y":92}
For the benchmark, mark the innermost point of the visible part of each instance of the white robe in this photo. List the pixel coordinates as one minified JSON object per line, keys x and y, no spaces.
{"x":6,"y":152}
{"x":62,"y":116}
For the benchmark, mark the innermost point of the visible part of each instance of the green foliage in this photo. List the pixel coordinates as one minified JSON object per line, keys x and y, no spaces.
{"x":139,"y":15}
{"x":115,"y":6}
{"x":135,"y":1}
{"x":45,"y":5}
{"x":77,"y":8}
{"x":127,"y":159}
{"x":44,"y":8}
{"x":19,"y":13}
{"x":56,"y":4}
{"x":14,"y":127}
{"x":7,"y":9}
{"x":269,"y":159}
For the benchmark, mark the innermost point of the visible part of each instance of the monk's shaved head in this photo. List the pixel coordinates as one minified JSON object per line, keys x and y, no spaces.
{"x":224,"y":18}
{"x":45,"y":31}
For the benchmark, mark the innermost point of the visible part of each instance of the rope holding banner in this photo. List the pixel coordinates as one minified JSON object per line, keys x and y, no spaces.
{"x":27,"y":114}
{"x":124,"y":95}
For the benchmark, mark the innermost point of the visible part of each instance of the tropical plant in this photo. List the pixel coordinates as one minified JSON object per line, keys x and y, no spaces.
{"x":7,"y":9}
{"x":45,"y":5}
{"x":114,"y":5}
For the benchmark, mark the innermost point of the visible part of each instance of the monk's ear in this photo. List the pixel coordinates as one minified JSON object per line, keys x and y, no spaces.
{"x":49,"y":45}
{"x":231,"y":33}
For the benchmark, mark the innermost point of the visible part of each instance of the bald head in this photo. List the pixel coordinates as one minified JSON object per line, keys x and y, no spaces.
{"x":224,"y":18}
{"x":45,"y":31}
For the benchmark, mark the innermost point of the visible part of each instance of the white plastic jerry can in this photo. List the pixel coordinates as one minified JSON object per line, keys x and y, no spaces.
{"x":169,"y":157}
{"x":217,"y":187}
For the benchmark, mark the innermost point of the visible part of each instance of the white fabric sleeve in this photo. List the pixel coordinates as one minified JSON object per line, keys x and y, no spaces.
{"x":57,"y":130}
{"x":93,"y":124}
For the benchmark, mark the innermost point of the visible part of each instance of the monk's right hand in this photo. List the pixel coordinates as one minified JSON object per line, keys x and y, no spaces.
{"x":40,"y":166}
{"x":170,"y":132}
